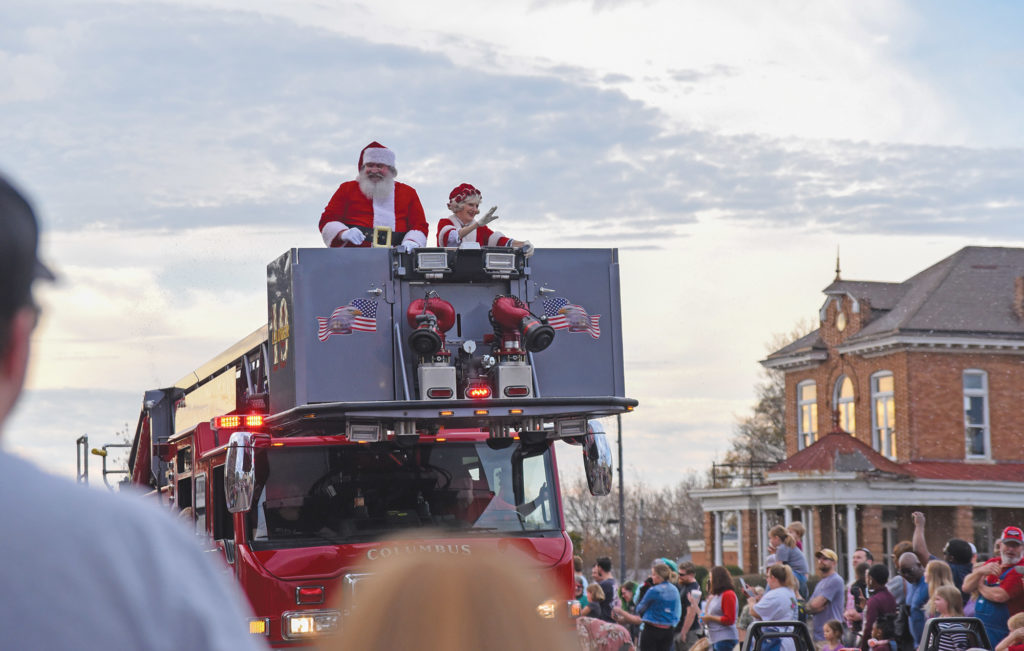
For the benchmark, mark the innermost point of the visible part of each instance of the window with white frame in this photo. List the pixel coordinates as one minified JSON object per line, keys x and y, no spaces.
{"x":843,"y":400}
{"x":883,"y":413}
{"x":806,"y":414}
{"x":976,"y":423}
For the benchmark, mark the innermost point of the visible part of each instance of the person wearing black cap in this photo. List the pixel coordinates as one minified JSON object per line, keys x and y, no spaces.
{"x":89,"y":569}
{"x":880,"y":603}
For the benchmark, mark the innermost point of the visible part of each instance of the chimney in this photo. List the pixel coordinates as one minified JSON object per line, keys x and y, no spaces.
{"x":1018,"y":297}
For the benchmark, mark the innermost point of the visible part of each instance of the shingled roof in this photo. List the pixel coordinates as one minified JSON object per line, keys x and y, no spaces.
{"x":838,"y":452}
{"x":970,"y":292}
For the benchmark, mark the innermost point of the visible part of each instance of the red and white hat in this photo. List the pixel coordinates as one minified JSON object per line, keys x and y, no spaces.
{"x":1012,"y":534}
{"x":462,"y":193}
{"x":376,"y":153}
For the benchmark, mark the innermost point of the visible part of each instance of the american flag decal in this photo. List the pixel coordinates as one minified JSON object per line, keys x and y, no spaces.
{"x":359,"y":315}
{"x":563,"y":315}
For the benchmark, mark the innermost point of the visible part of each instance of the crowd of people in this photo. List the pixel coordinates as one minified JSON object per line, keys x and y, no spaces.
{"x":873,"y":611}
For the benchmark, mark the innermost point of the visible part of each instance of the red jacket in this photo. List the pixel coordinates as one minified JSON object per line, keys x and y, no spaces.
{"x":350,"y":207}
{"x":483,"y":235}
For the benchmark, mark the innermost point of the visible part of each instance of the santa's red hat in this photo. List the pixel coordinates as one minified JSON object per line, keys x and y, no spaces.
{"x":376,"y":153}
{"x":460,"y":194}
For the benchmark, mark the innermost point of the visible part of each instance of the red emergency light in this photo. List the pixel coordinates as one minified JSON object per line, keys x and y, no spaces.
{"x":313,"y":594}
{"x":237,"y":420}
{"x":478,"y":391}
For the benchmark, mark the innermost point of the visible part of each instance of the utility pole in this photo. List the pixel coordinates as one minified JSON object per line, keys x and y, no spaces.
{"x":622,"y":507}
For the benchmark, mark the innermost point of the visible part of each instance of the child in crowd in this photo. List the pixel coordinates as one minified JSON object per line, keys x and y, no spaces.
{"x":797,"y":530}
{"x":787,"y":553}
{"x":883,"y":634}
{"x":833,"y":631}
{"x":595,"y":595}
{"x":1015,"y":640}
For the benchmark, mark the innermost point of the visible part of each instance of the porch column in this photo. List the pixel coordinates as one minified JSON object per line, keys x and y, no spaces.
{"x":718,"y":538}
{"x":739,"y":538}
{"x":759,"y":557}
{"x":809,"y":535}
{"x":851,"y":537}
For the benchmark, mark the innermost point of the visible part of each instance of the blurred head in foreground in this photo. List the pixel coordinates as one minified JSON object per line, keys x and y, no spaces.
{"x":486,"y":600}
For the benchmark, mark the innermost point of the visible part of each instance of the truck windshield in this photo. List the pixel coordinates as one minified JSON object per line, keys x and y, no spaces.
{"x":351,"y":493}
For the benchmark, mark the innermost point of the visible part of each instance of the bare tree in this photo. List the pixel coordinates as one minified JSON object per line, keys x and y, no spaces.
{"x":658,"y":522}
{"x":759,"y":439}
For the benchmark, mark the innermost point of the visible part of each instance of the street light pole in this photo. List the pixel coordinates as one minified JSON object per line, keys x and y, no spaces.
{"x":622,"y":507}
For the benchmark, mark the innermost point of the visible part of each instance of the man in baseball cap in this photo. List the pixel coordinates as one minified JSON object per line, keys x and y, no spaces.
{"x":1000,"y":587}
{"x":95,"y":545}
{"x":19,"y":242}
{"x":828,"y":599}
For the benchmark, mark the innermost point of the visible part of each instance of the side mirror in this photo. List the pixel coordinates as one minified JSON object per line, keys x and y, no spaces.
{"x":239,"y":473}
{"x":597,"y":459}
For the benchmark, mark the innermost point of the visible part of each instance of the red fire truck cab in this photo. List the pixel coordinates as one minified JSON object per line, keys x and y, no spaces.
{"x":320,"y":446}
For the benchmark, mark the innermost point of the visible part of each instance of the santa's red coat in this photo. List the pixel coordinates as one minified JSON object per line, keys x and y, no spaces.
{"x":483,"y":235}
{"x":350,"y":207}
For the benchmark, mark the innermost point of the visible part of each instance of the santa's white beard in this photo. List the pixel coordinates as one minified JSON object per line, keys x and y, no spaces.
{"x":1011,"y":558}
{"x":375,"y":190}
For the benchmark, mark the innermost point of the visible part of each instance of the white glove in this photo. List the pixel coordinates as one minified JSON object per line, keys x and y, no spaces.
{"x":527,"y":248}
{"x":488,"y":218}
{"x":353,"y":236}
{"x":407,"y":246}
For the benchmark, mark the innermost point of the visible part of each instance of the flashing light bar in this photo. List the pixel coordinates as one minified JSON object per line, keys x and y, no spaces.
{"x":478,"y":391}
{"x":237,"y":420}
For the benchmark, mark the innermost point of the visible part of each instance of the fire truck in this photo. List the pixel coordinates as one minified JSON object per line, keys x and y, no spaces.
{"x":394,"y":403}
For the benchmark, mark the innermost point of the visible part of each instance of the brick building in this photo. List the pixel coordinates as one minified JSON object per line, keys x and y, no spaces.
{"x":907,"y":397}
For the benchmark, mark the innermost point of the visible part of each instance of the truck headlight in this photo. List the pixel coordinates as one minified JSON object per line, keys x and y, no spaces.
{"x":303,"y":624}
{"x":548,"y":609}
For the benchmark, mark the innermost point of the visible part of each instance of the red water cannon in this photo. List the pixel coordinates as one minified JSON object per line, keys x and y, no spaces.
{"x":510,"y":315}
{"x":431,"y":318}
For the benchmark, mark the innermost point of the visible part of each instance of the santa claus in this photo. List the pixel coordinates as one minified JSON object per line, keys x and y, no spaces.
{"x":374,"y":209}
{"x":466,"y":222}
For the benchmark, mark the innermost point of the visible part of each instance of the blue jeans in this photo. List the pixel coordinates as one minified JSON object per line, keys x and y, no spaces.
{"x":725,"y":645}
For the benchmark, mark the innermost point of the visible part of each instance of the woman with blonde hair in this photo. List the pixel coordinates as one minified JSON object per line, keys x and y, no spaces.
{"x":438,"y":602}
{"x":778,"y":603}
{"x":936,"y":575}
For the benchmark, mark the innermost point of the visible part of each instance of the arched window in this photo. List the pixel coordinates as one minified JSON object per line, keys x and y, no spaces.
{"x":843,"y":400}
{"x":976,"y":424}
{"x":883,"y":413}
{"x":806,"y":414}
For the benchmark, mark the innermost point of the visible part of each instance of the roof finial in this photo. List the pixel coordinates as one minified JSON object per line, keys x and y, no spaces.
{"x":837,"y":264}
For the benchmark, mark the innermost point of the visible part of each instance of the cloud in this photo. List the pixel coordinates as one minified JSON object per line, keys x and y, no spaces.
{"x":232,"y":118}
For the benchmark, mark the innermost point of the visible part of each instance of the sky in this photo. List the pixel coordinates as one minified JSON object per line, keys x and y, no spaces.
{"x":172,"y":149}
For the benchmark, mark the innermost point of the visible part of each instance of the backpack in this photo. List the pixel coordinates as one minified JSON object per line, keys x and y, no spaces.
{"x":901,"y":627}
